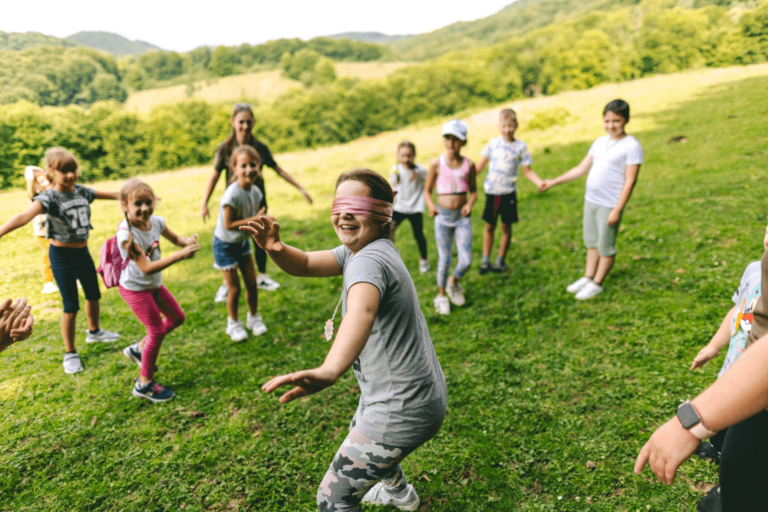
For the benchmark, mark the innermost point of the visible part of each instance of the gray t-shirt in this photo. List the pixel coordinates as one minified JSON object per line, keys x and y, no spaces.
{"x":69,"y":215}
{"x":402,"y":387}
{"x":245,"y":202}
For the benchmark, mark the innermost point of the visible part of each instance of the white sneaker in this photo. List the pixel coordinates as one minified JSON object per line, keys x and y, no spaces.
{"x":455,"y":293}
{"x":101,"y":335}
{"x":579,"y":284}
{"x":589,"y":291}
{"x":256,"y":324}
{"x":235,"y":330}
{"x":50,"y":287}
{"x":424,"y":266}
{"x":72,"y":363}
{"x":378,"y":495}
{"x":267,"y":283}
{"x":221,"y":294}
{"x":442,"y":305}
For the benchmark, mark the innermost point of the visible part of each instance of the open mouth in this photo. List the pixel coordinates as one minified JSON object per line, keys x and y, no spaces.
{"x":348,"y":228}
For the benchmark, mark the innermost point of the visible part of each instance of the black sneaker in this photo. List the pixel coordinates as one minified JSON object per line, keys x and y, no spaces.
{"x":485,"y":268}
{"x":711,"y":501}
{"x":706,"y":450}
{"x":499,"y":267}
{"x":152,"y":391}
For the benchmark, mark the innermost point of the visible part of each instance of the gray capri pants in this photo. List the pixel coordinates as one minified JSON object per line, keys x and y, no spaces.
{"x":597,"y":233}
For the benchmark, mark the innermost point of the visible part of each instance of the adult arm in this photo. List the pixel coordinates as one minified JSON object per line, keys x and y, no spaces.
{"x":626,"y":192}
{"x":266,"y":232}
{"x":721,"y":339}
{"x":467,"y":208}
{"x":287,"y":177}
{"x":212,"y":180}
{"x":532,"y":176}
{"x":21,"y":219}
{"x":430,"y":185}
{"x":571,"y":175}
{"x":153,"y":267}
{"x":105,"y":195}
{"x":229,"y":218}
{"x":362,"y":305}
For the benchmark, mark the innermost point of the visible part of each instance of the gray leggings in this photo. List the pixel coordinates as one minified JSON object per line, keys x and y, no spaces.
{"x":449,"y":224}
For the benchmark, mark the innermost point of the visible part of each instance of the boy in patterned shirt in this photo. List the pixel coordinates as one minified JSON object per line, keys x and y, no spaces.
{"x":506,"y":156}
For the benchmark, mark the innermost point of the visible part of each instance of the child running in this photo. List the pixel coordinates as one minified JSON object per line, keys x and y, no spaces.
{"x":69,"y":223}
{"x":506,"y":155}
{"x":141,"y":283}
{"x":453,"y":176}
{"x":383,"y":337}
{"x":408,"y":178}
{"x":240,"y":203}
{"x":613,"y":163}
{"x":37,"y":182}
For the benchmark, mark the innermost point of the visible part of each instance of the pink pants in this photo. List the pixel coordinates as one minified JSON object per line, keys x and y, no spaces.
{"x":150,"y":306}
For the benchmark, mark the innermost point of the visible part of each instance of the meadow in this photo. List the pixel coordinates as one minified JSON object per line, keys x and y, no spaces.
{"x":550,"y":399}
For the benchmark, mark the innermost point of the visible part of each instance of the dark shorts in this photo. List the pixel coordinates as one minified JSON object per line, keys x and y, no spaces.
{"x":504,"y":205}
{"x":228,"y":256}
{"x":744,"y":466}
{"x":70,"y":266}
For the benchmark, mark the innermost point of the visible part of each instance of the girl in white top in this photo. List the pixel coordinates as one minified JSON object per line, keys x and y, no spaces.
{"x":613,"y":163}
{"x":407,"y":179}
{"x":38,"y":182}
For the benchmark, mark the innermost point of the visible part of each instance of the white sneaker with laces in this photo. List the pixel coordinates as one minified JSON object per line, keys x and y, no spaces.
{"x":589,"y":291}
{"x":101,"y":335}
{"x":221,"y":294}
{"x":455,"y":293}
{"x":424,"y":266}
{"x":267,"y":283}
{"x":577,"y":285}
{"x":256,"y":324}
{"x":72,"y":363}
{"x":50,"y":287}
{"x":442,"y":305}
{"x":235,"y":330}
{"x":378,"y":495}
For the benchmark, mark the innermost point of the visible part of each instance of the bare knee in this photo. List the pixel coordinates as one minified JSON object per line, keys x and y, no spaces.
{"x":506,"y":229}
{"x":490,"y":228}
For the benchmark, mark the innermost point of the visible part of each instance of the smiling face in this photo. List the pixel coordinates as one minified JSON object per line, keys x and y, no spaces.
{"x":65,"y":181}
{"x":140,"y":207}
{"x":354,"y":231}
{"x":242,"y":123}
{"x":507,"y":127}
{"x":246,"y":170}
{"x":613,"y":124}
{"x":405,"y":156}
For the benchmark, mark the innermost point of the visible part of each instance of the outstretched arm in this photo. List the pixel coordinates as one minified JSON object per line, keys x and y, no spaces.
{"x":287,"y":177}
{"x":574,"y":174}
{"x":721,"y":339}
{"x":212,"y":180}
{"x":21,"y":219}
{"x":106,"y":195}
{"x":178,"y":240}
{"x":532,"y":176}
{"x":153,"y":267}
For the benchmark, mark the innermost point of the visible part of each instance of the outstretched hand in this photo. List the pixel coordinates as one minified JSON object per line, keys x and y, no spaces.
{"x":265,"y":231}
{"x":16,"y":322}
{"x":306,"y":382}
{"x":666,"y":450}
{"x":704,"y":356}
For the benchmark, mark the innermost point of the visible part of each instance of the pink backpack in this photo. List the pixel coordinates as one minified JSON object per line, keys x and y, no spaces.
{"x":111,"y":264}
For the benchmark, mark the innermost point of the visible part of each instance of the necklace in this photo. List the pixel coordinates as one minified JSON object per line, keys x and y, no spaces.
{"x":329,"y":322}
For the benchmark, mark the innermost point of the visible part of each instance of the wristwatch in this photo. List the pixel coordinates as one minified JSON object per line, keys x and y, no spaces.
{"x":691,"y":421}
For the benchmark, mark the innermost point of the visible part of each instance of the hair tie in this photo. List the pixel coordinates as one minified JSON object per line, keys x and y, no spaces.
{"x":363,"y":206}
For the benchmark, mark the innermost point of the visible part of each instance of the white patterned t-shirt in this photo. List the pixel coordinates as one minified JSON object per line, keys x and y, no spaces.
{"x":505,"y":159}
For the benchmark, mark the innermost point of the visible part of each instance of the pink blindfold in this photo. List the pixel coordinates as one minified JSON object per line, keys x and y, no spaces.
{"x":374,"y":209}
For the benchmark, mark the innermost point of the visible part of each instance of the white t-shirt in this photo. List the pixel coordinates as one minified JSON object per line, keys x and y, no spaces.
{"x":410,"y":192}
{"x":505,"y":159}
{"x":132,"y":278}
{"x":607,"y":176}
{"x":246,"y":204}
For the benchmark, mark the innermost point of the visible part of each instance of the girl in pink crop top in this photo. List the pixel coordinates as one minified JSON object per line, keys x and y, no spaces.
{"x":452,"y":181}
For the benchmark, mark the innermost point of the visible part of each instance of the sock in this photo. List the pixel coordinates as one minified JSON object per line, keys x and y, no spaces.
{"x":486,"y":260}
{"x":230,"y":321}
{"x":499,"y":260}
{"x":73,"y":352}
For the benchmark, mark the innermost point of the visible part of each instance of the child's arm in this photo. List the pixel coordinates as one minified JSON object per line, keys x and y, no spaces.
{"x":467,"y":208}
{"x":430,"y":185}
{"x":631,"y":178}
{"x":153,"y":267}
{"x":362,"y":305}
{"x":266,"y":232}
{"x":21,"y":219}
{"x":105,"y":195}
{"x":718,"y":341}
{"x":574,"y":174}
{"x":481,"y":164}
{"x":178,"y":240}
{"x":532,"y":176}
{"x":230,"y":214}
{"x":29,"y":176}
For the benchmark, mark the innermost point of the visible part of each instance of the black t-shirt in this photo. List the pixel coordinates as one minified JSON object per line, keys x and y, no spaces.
{"x":221,"y":162}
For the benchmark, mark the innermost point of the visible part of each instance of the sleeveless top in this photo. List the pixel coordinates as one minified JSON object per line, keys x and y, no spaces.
{"x":453,"y":181}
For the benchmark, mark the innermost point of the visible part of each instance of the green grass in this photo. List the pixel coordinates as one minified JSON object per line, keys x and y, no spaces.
{"x":539,"y":384}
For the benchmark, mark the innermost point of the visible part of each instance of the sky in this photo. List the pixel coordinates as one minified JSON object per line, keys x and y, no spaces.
{"x":184,"y":25}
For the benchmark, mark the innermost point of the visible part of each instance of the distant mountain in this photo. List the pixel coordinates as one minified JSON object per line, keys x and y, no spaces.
{"x":18,"y":41}
{"x":369,"y":37}
{"x":112,"y":43}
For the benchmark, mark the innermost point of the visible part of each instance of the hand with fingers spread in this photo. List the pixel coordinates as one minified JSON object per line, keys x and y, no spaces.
{"x":16,"y":322}
{"x":306,"y":382}
{"x":265,"y":231}
{"x":666,"y":450}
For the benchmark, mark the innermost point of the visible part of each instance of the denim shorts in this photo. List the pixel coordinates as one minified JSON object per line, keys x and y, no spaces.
{"x":229,"y":256}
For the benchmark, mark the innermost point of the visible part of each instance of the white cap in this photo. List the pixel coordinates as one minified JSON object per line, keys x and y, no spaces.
{"x":456,"y":128}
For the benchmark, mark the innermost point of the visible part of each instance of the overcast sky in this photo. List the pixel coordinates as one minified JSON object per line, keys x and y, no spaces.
{"x":184,"y":25}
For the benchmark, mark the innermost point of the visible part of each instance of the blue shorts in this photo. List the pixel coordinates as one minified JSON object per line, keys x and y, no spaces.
{"x":70,"y":265}
{"x":228,"y":256}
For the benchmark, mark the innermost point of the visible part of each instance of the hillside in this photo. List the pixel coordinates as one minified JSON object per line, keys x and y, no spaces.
{"x":369,"y":37}
{"x":112,"y":43}
{"x":18,"y":41}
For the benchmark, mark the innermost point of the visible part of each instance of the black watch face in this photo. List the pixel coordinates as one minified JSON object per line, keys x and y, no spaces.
{"x":687,"y":415}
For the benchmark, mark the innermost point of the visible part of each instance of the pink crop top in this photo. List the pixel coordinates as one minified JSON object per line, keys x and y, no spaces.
{"x":453,"y":181}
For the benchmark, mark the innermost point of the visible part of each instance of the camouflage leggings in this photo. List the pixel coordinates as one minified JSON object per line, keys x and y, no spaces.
{"x":358,"y":465}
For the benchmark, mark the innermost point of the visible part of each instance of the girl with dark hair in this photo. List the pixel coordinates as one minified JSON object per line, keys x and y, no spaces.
{"x":242,"y":125}
{"x":408,"y":178}
{"x":383,"y":337}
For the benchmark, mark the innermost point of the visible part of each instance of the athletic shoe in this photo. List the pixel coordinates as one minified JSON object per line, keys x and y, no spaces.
{"x":378,"y":495}
{"x":50,"y":287}
{"x":267,"y":283}
{"x":133,"y":353}
{"x":499,"y":267}
{"x":152,"y":391}
{"x":72,"y":363}
{"x":236,"y":331}
{"x":711,"y":501}
{"x":424,"y":266}
{"x":442,"y":305}
{"x":100,"y":335}
{"x":485,"y":268}
{"x":256,"y":324}
{"x":455,"y":293}
{"x":577,"y":285}
{"x":706,"y":450}
{"x":221,"y":294}
{"x":589,"y":291}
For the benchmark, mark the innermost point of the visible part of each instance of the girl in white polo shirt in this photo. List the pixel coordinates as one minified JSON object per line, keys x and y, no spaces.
{"x":613,"y":163}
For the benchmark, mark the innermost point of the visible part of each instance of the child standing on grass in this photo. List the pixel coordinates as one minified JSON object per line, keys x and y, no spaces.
{"x":408,"y":178}
{"x":37,"y":182}
{"x":141,"y":283}
{"x":240,"y":203}
{"x":453,"y":175}
{"x":506,"y":156}
{"x":383,"y":337}
{"x":69,"y":223}
{"x":613,"y":163}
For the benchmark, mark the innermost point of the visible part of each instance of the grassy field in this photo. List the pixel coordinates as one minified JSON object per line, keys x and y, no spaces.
{"x":539,"y":384}
{"x":265,"y":86}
